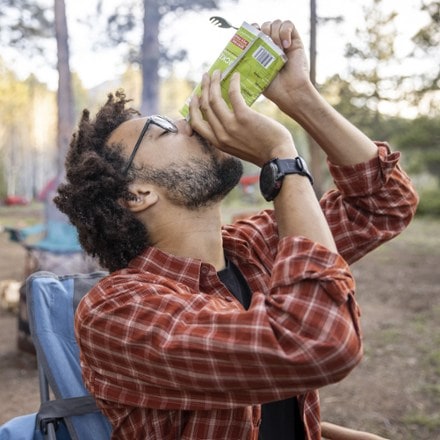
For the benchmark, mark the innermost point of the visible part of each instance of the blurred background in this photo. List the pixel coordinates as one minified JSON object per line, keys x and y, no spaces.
{"x":375,"y":61}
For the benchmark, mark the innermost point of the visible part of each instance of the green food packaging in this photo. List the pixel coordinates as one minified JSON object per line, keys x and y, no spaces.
{"x":254,"y":55}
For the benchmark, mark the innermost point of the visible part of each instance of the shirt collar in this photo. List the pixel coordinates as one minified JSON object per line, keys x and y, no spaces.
{"x":185,"y":270}
{"x":179,"y":269}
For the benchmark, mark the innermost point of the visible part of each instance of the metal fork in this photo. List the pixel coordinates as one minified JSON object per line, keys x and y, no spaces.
{"x":221,"y":22}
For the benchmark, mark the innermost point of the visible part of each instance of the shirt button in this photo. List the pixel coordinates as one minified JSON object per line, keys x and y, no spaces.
{"x":205,"y":270}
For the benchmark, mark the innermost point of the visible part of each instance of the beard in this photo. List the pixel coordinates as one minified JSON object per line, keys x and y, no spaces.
{"x":200,"y":182}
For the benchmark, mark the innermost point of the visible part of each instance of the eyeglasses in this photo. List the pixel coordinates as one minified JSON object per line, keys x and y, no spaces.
{"x":160,"y":121}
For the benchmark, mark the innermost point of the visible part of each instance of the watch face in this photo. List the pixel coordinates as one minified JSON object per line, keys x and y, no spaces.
{"x":273,"y":172}
{"x":269,"y":186}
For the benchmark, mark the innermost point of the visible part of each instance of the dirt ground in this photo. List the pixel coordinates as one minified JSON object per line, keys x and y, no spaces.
{"x":395,"y":392}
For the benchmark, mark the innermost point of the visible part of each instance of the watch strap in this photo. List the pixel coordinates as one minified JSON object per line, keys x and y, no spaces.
{"x":293,"y":166}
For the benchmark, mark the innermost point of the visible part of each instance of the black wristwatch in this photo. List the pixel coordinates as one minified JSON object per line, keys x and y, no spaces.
{"x":273,"y":172}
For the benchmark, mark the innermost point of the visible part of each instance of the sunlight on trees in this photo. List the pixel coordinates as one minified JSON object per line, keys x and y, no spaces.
{"x":373,"y":94}
{"x":27,"y":134}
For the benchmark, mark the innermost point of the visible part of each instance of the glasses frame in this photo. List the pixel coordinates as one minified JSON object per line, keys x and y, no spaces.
{"x":159,"y":120}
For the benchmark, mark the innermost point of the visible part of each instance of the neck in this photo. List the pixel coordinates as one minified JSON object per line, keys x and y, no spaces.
{"x":194,"y":234}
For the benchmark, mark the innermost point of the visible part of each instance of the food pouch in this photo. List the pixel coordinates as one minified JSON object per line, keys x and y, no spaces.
{"x":254,"y":55}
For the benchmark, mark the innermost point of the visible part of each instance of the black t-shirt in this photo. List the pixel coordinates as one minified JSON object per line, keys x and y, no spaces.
{"x":281,"y":420}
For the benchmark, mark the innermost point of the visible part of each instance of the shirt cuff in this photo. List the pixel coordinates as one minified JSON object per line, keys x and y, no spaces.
{"x":366,"y":177}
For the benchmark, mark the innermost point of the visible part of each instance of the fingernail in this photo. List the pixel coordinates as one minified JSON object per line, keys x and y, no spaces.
{"x":286,"y":44}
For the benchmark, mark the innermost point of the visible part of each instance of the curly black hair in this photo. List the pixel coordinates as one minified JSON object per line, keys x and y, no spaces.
{"x":94,"y":184}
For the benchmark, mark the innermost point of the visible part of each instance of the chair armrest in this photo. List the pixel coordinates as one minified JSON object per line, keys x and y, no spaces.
{"x":19,"y":235}
{"x":331,"y":431}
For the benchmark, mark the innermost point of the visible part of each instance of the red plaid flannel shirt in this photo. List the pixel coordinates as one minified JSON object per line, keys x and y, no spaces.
{"x":169,"y":353}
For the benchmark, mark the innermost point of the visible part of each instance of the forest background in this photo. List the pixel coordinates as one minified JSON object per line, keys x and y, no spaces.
{"x":382,"y":73}
{"x":374,"y":89}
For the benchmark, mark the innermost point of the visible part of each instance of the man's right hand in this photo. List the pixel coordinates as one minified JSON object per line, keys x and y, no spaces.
{"x":240,"y":131}
{"x":292,"y":84}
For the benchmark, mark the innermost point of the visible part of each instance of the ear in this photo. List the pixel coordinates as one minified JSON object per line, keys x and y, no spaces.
{"x":141,"y":197}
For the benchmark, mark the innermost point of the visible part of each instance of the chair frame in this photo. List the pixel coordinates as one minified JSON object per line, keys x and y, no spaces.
{"x":68,"y":406}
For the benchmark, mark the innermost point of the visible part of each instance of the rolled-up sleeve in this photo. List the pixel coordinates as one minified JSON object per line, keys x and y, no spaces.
{"x":373,"y":202}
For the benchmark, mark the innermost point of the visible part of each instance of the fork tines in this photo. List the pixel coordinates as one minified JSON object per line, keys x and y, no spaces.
{"x":215,"y":21}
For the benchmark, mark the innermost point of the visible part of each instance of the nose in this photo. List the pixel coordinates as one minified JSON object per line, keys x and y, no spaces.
{"x":184,"y":127}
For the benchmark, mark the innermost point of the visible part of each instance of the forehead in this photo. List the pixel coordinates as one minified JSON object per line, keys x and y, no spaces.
{"x":128,"y":132}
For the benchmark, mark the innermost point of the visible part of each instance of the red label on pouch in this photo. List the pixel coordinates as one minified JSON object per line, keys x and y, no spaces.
{"x":239,"y":41}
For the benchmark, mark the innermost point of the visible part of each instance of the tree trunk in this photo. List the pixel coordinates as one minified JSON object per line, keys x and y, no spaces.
{"x":316,"y":154}
{"x":64,"y":95}
{"x":150,"y":58}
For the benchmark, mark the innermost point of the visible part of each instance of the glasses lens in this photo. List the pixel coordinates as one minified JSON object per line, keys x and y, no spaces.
{"x":164,"y":123}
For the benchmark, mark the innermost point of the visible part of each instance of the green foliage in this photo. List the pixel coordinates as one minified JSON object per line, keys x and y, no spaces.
{"x":375,"y":69}
{"x":27,"y":134}
{"x":422,"y":421}
{"x":24,"y":24}
{"x":81,"y":96}
{"x":428,"y":37}
{"x":371,"y":57}
{"x":419,"y":137}
{"x":427,"y":41}
{"x":429,"y":203}
{"x":420,"y":133}
{"x":123,"y":26}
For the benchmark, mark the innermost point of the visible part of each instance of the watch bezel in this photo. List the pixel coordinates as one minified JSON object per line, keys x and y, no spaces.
{"x":270,"y":182}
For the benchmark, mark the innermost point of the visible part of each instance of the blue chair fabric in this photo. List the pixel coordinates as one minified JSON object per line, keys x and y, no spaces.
{"x":72,"y":412}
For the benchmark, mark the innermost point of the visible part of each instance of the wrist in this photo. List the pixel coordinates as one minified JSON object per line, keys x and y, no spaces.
{"x":280,"y":152}
{"x":273,"y":173}
{"x":301,"y":102}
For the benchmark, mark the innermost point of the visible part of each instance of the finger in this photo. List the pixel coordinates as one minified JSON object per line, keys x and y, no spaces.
{"x":204,"y":94}
{"x":235,"y":97}
{"x":207,"y":98}
{"x":213,"y":105}
{"x":220,"y":115}
{"x":275,"y":32}
{"x":217,"y":103}
{"x":195,"y":113}
{"x":198,"y":123}
{"x":265,"y":27}
{"x":286,"y":32}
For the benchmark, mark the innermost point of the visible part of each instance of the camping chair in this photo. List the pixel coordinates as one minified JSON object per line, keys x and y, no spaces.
{"x":54,"y":247}
{"x":52,"y":301}
{"x":72,"y":413}
{"x":52,"y":237}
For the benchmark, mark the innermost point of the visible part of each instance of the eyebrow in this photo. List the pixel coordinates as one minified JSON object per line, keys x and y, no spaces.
{"x":149,"y":134}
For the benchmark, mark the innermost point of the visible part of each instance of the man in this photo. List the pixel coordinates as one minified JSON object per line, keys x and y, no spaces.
{"x":198,"y":324}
